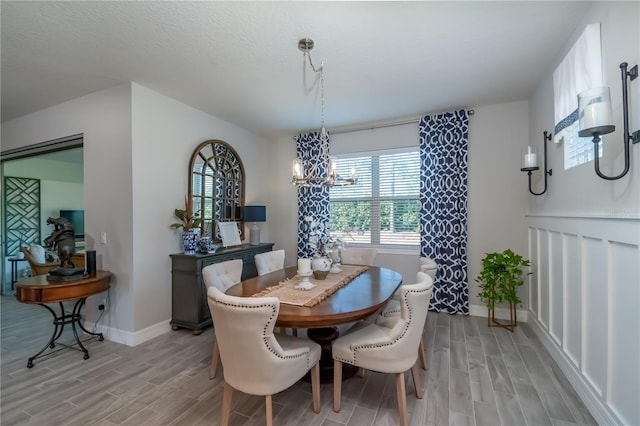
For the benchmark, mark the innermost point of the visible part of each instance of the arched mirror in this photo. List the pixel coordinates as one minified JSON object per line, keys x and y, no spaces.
{"x":216,"y":186}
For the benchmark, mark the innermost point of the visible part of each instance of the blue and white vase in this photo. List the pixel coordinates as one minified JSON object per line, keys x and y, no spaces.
{"x":190,"y":241}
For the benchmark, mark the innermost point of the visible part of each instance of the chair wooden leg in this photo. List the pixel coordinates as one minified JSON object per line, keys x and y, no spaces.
{"x":361,"y":372}
{"x":315,"y":387}
{"x":337,"y":384}
{"x":417,"y":383}
{"x":423,"y":357}
{"x":215,"y":359}
{"x":295,"y":332}
{"x":267,"y":403}
{"x":402,"y":399}
{"x":226,"y":404}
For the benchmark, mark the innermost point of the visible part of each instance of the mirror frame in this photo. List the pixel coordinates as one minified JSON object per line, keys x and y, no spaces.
{"x":218,"y":151}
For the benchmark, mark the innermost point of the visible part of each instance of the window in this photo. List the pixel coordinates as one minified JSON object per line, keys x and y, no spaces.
{"x":383,"y":208}
{"x":578,"y":150}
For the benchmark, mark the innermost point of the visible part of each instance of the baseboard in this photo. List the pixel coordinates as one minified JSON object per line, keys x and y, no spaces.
{"x":600,"y":412}
{"x":501,"y":313}
{"x":131,"y":338}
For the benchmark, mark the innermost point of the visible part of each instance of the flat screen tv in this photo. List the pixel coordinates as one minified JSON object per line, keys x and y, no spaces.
{"x":76,"y":217}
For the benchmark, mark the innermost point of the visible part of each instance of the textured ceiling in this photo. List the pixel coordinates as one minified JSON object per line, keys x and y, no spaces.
{"x":239,"y":61}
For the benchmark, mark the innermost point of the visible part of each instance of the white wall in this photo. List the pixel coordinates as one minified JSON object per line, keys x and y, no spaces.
{"x":165,"y":135}
{"x":497,"y":188}
{"x":584,"y":237}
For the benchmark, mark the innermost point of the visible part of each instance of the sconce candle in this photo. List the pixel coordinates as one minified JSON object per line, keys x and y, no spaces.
{"x":530,"y":158}
{"x":596,"y":115}
{"x":594,"y":111}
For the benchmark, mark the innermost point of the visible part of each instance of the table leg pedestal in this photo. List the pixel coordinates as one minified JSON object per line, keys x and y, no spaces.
{"x":325,"y":337}
{"x":59,"y":321}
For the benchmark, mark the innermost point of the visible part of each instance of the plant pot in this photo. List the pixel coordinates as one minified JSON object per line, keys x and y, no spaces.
{"x":190,"y":242}
{"x":320,"y":275}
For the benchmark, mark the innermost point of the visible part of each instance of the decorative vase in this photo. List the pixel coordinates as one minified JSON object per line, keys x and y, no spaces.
{"x":190,"y":241}
{"x":320,"y":265}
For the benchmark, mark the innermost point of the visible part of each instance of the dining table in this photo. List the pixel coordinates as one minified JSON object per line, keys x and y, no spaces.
{"x":357,"y":298}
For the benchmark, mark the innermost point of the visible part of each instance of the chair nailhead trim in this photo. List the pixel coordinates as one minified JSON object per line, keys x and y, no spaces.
{"x":354,"y":348}
{"x":274,"y":314}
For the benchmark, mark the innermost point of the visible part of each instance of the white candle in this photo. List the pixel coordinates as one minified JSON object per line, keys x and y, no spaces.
{"x":530,"y":160}
{"x":596,"y":115}
{"x":297,"y":172}
{"x":304,"y":266}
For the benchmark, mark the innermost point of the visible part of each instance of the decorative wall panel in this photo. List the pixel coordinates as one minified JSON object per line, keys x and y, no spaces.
{"x":587,"y":282}
{"x":22,"y":213}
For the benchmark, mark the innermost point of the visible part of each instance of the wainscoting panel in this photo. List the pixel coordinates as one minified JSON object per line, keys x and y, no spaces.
{"x":623,"y":388}
{"x":584,"y":305}
{"x":594,"y":347}
{"x":556,"y":287}
{"x":543,"y":277}
{"x":533,"y":284}
{"x":572,"y":312}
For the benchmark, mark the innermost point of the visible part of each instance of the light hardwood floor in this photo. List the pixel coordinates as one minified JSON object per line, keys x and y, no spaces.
{"x":477,"y":376}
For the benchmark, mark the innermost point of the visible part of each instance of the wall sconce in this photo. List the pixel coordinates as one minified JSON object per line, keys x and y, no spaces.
{"x":530,"y":163}
{"x":594,"y":113}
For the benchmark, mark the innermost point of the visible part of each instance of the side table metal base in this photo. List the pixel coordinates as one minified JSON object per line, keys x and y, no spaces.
{"x":59,"y":321}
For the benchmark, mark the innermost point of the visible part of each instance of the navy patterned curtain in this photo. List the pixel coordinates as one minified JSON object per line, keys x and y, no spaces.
{"x":313,"y":203}
{"x":443,"y":212}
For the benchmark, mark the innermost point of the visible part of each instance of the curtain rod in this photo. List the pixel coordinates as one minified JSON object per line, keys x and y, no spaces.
{"x":381,"y":126}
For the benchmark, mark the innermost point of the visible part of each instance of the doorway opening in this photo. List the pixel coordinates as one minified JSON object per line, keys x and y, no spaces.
{"x":38,"y":181}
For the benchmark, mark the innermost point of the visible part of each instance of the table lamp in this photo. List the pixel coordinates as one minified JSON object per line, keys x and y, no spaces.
{"x":255,"y":214}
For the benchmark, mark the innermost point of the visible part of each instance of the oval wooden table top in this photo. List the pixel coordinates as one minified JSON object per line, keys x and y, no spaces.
{"x":38,"y":290}
{"x":363,"y":296}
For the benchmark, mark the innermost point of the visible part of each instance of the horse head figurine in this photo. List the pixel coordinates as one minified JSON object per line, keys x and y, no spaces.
{"x":62,"y":238}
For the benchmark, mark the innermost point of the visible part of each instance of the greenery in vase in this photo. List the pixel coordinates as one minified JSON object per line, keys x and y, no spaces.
{"x":188,"y":218}
{"x":501,"y":274}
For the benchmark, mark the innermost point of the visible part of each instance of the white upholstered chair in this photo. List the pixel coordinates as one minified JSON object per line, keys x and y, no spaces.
{"x":255,"y":360}
{"x":428,"y":266}
{"x":358,"y":256}
{"x":391,"y":347}
{"x":269,"y":261}
{"x":221,"y":276}
{"x":393,"y":310}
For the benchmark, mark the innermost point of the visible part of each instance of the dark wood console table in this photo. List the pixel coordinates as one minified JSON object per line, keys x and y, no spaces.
{"x":189,"y":308}
{"x":38,"y":290}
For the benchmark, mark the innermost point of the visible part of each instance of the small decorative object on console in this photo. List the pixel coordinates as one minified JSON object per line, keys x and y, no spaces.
{"x":321,"y":266}
{"x":63,"y":239}
{"x":205,"y":245}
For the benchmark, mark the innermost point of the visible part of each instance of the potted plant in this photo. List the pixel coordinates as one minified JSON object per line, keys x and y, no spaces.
{"x":189,"y":222}
{"x":501,"y":274}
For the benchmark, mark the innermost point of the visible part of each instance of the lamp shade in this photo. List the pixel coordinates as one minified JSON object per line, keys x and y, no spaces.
{"x":255,"y":214}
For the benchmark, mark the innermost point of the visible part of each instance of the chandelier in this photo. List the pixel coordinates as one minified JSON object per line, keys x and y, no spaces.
{"x":321,"y":173}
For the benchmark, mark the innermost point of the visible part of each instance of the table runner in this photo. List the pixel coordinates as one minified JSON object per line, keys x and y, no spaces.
{"x":324,"y":288}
